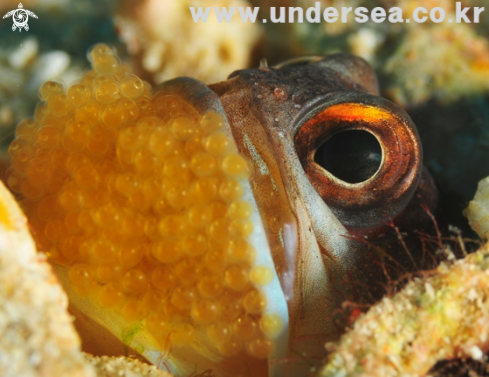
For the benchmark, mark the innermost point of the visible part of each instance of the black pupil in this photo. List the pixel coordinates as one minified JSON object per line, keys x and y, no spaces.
{"x":352,"y":156}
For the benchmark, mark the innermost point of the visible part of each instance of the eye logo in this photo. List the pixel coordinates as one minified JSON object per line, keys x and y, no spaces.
{"x":20,"y":17}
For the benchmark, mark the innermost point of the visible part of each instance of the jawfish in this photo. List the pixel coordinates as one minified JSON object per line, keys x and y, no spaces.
{"x":209,"y":228}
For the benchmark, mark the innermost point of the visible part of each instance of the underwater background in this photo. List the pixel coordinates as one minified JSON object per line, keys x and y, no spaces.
{"x":439,"y":72}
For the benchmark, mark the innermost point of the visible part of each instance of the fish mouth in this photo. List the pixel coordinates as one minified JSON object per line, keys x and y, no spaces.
{"x":184,"y":223}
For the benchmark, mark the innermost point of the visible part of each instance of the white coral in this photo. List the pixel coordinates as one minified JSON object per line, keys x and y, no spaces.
{"x":166,"y":41}
{"x":478,"y":210}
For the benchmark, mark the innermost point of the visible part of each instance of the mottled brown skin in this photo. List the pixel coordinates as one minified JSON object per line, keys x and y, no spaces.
{"x":278,"y":118}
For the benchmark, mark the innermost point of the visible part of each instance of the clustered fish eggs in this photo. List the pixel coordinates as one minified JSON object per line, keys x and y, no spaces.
{"x":140,"y":198}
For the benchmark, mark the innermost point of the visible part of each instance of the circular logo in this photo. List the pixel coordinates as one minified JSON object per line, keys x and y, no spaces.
{"x":20,"y":18}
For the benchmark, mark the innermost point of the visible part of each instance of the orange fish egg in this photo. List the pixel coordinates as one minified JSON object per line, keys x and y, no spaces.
{"x":139,"y":202}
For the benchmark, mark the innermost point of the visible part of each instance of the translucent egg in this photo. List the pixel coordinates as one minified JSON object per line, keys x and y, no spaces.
{"x":49,"y":88}
{"x":78,"y":94}
{"x":131,"y":86}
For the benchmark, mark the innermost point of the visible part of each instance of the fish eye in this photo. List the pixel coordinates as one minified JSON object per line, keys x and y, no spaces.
{"x":353,"y":156}
{"x":363,"y":157}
